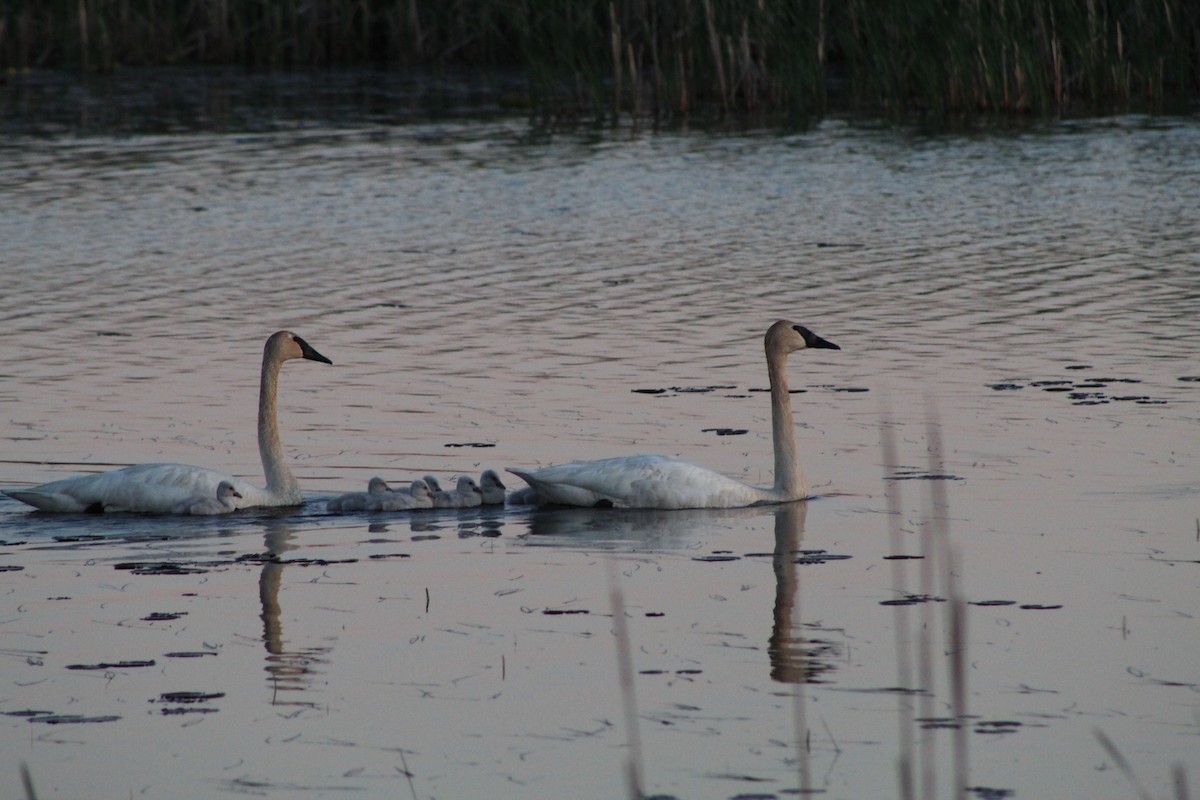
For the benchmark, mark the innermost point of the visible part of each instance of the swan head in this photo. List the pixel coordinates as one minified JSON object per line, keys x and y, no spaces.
{"x":377,"y":485}
{"x":227,"y":492}
{"x":420,"y":488}
{"x":285,"y":345}
{"x":490,"y":479}
{"x":467,"y":485}
{"x":787,"y":336}
{"x":434,"y":485}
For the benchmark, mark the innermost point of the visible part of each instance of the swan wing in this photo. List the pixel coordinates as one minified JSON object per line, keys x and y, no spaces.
{"x":639,"y":482}
{"x":144,"y":488}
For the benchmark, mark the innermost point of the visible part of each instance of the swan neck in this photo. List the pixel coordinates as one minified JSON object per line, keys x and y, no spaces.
{"x":789,"y":479}
{"x":280,"y":480}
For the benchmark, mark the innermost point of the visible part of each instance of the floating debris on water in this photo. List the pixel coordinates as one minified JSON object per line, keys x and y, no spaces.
{"x":470,"y":444}
{"x":189,"y":697}
{"x":158,"y":568}
{"x":164,"y":616}
{"x":112,"y":665}
{"x":725,"y":431}
{"x":191,"y":654}
{"x":912,"y":600}
{"x":818,"y":557}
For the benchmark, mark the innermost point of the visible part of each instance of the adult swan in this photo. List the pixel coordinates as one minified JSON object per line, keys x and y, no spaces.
{"x":666,"y":482}
{"x":159,"y":488}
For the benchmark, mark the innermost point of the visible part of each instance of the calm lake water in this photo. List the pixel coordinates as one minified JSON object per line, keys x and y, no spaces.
{"x":1017,"y":311}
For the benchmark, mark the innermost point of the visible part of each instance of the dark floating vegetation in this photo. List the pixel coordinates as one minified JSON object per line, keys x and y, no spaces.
{"x":817,"y":557}
{"x":725,"y":431}
{"x":159,"y":568}
{"x":189,"y":697}
{"x":1082,"y":393}
{"x":163,"y":616}
{"x":920,"y":475}
{"x":604,"y":60}
{"x":470,"y":444}
{"x":190,"y":654}
{"x":913,"y":600}
{"x":684,"y":390}
{"x":112,"y":665}
{"x":71,"y":719}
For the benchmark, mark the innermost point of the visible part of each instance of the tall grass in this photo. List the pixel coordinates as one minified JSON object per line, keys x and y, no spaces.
{"x":608,"y":59}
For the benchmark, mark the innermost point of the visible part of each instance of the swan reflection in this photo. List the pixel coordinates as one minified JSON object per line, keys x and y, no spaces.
{"x":796,"y":652}
{"x":795,"y":658}
{"x":288,"y":670}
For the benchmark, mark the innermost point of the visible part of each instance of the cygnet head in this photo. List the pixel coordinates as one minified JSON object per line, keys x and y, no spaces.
{"x":434,"y":485}
{"x":490,"y":479}
{"x":420,"y":488}
{"x":377,"y":485}
{"x":227,"y":493}
{"x":467,"y":485}
{"x":787,"y":336}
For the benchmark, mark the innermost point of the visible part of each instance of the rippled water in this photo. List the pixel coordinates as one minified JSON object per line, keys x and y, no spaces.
{"x":493,"y":295}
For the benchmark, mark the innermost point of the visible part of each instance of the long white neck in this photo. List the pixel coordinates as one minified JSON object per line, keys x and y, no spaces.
{"x":789,"y":478}
{"x":280,"y":480}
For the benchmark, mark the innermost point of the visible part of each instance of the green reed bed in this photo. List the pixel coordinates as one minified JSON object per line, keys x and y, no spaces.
{"x":606,"y":59}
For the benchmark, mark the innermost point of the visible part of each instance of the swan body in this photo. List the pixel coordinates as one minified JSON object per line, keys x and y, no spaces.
{"x":223,"y":503}
{"x":491,"y":488}
{"x":357,"y":501}
{"x":649,"y":481}
{"x":466,"y":494}
{"x":417,"y":496}
{"x":159,"y":488}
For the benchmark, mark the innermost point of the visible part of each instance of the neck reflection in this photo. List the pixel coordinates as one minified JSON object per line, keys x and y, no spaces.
{"x":288,"y":670}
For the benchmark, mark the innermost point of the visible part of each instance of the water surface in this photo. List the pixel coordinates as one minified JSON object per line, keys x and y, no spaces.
{"x":494,"y":295}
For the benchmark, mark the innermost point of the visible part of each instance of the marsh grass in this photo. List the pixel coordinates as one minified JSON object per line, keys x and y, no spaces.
{"x":614,"y":60}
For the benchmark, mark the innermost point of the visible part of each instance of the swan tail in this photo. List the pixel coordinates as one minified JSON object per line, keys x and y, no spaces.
{"x":51,"y":501}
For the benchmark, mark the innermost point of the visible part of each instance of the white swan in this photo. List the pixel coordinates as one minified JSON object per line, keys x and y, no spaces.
{"x":417,"y":496}
{"x":223,"y":503}
{"x":357,"y":501}
{"x":666,"y":482}
{"x":466,"y":494}
{"x":157,"y":488}
{"x":491,"y":487}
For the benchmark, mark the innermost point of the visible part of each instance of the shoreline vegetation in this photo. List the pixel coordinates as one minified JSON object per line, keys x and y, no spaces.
{"x":605,"y":60}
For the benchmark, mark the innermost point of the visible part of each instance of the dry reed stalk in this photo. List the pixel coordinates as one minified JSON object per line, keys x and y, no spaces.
{"x":887,"y":440}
